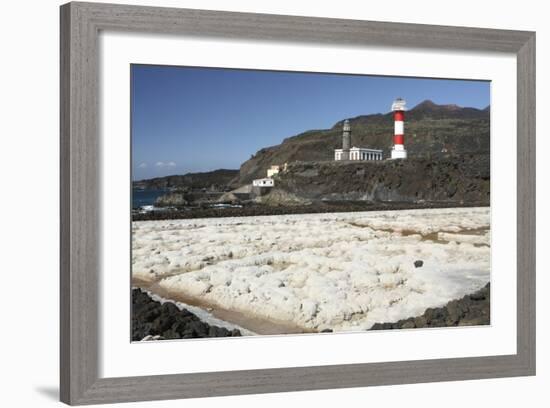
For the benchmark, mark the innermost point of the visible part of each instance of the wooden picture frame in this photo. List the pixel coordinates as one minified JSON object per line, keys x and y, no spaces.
{"x":80,"y":234}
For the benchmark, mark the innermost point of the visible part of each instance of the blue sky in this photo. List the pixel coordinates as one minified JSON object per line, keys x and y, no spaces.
{"x":188,"y":119}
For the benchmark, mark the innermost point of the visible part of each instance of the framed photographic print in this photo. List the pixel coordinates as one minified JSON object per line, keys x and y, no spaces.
{"x":355,"y":197}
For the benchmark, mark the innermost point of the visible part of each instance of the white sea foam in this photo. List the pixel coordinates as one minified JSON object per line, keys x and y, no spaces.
{"x":343,"y":271}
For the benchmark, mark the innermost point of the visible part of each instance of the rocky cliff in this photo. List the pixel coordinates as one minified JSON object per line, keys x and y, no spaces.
{"x":461,"y":179}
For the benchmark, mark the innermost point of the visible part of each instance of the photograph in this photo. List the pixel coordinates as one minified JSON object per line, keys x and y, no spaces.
{"x":305,"y":203}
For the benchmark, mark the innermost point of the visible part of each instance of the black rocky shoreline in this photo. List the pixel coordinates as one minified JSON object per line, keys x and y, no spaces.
{"x":471,"y":310}
{"x":319,"y":207}
{"x":163,"y":321}
{"x":153,"y":320}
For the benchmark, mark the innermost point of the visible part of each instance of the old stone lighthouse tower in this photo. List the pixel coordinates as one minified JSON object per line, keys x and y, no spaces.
{"x":346,"y":140}
{"x":347,"y":152}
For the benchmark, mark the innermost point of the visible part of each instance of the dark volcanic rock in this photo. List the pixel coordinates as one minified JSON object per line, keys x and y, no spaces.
{"x":151,"y":318}
{"x":471,"y":310}
{"x":170,"y":309}
{"x":161,"y":324}
{"x":317,"y":208}
{"x":172,"y":199}
{"x":418,"y":264}
{"x":420,"y":321}
{"x":448,"y":179}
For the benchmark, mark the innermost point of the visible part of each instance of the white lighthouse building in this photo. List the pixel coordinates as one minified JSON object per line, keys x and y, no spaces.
{"x":354,"y":153}
{"x":398,"y":151}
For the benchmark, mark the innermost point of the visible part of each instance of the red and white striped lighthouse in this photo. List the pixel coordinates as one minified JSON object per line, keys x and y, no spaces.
{"x":398,"y":151}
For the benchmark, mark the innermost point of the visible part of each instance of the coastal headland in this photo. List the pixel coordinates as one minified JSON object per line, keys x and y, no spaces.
{"x":295,"y":241}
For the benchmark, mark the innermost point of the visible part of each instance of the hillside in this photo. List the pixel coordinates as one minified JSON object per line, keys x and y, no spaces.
{"x":461,"y":180}
{"x":430,"y":130}
{"x":217,"y":180}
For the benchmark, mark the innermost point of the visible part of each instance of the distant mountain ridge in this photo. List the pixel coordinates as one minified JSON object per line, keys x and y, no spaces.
{"x":430,"y":130}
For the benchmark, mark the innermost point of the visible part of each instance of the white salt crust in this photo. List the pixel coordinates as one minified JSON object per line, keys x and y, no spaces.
{"x":343,"y":271}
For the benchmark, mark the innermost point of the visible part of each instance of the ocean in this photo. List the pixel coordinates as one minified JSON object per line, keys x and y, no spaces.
{"x":145,"y":197}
